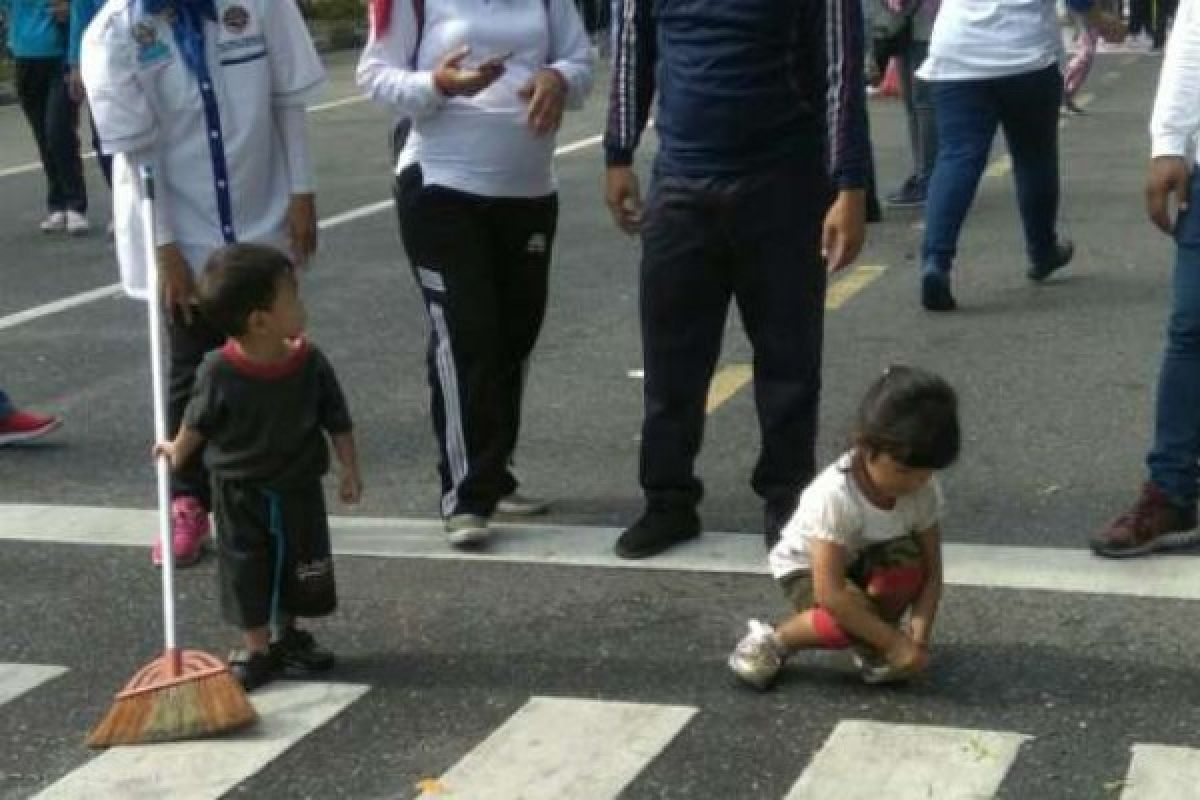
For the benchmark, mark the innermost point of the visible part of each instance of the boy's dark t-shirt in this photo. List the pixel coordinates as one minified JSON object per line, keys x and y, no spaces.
{"x":264,"y":423}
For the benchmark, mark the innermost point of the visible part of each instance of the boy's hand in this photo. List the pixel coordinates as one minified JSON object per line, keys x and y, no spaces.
{"x":907,"y":655}
{"x":167,"y":450}
{"x":350,"y":487}
{"x":919,"y":630}
{"x":302,"y":227}
{"x":546,"y":94}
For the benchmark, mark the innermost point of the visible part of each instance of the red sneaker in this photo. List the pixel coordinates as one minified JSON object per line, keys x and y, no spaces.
{"x":189,"y":529}
{"x":22,"y":426}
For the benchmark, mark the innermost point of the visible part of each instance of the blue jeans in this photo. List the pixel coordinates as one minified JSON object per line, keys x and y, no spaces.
{"x":1173,"y":460}
{"x":967,"y":114}
{"x":6,"y":406}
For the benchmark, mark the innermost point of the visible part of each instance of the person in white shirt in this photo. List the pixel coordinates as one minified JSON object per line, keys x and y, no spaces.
{"x":863,"y":548}
{"x":211,"y":95}
{"x":484,"y":85}
{"x":995,"y":63}
{"x":1164,"y":514}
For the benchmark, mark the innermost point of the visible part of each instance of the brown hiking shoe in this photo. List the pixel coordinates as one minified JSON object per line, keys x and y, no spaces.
{"x":1153,"y":523}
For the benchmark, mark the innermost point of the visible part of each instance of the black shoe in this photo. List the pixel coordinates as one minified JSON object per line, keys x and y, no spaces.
{"x":935,"y":289}
{"x":874,"y":211}
{"x":1064,"y":251}
{"x":658,"y":530}
{"x":298,"y":653}
{"x":910,"y":195}
{"x":253,"y":670}
{"x":776,"y":514}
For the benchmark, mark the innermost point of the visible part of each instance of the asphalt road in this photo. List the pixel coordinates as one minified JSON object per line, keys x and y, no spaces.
{"x":1056,"y":384}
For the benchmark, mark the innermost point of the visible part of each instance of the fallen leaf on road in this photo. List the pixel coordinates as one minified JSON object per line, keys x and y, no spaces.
{"x":431,"y":786}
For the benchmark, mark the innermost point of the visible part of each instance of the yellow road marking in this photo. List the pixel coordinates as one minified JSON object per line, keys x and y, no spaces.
{"x":840,"y":292}
{"x":1000,"y":167}
{"x":725,"y":384}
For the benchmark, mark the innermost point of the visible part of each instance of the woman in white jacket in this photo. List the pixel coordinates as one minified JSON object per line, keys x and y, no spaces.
{"x":484,"y":84}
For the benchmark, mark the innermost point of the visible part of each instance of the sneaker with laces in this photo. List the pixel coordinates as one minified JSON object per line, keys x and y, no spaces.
{"x":55,"y":222}
{"x":519,"y":505}
{"x":297,"y":654}
{"x":658,"y":529}
{"x":464,"y":530}
{"x":189,"y":529}
{"x":756,"y":660}
{"x":24,"y":426}
{"x":253,"y":670}
{"x":1152,"y":523}
{"x":77,"y":224}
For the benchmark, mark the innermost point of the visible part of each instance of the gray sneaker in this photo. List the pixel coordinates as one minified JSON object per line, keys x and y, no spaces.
{"x":464,"y":530}
{"x":757,"y":660}
{"x":519,"y":505}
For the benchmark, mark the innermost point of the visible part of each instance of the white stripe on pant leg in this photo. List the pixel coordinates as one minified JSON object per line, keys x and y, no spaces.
{"x":17,"y":679}
{"x":208,"y":768}
{"x":430,"y":279}
{"x":558,"y":747}
{"x":456,"y":448}
{"x":1163,"y":773}
{"x":868,"y":760}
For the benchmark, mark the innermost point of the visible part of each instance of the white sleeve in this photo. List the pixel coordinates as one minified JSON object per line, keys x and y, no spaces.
{"x":385,"y":72}
{"x":928,"y":506}
{"x":296,"y":71}
{"x":827,"y":513}
{"x":1176,"y":117}
{"x":570,"y":50}
{"x":128,"y":230}
{"x":293,"y":127}
{"x":119,"y":106}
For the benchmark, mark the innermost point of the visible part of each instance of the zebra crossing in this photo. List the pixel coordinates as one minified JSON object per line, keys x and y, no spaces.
{"x":556,"y":748}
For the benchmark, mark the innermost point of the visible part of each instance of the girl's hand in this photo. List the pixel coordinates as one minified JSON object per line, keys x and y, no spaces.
{"x":166,"y":450}
{"x":546,"y":94}
{"x":907,"y":655}
{"x":350,"y":487}
{"x":452,"y":79}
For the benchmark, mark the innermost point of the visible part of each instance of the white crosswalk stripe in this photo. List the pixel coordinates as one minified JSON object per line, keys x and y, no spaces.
{"x":864,"y":760}
{"x":557,"y":747}
{"x":17,"y":679}
{"x":206,"y":769}
{"x":1163,"y":773}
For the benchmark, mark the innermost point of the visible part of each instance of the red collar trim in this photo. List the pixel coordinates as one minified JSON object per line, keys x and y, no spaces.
{"x":237,"y":358}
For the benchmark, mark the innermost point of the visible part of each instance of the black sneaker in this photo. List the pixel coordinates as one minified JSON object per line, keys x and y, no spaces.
{"x":910,"y":195}
{"x":253,"y":670}
{"x":658,"y":530}
{"x":1064,"y":251}
{"x":935,"y":289}
{"x":299,"y":654}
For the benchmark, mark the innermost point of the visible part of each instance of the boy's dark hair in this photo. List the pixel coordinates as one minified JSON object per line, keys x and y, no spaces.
{"x":238,"y":280}
{"x":911,"y":415}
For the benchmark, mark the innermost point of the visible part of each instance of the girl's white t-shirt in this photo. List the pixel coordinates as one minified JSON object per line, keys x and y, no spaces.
{"x":834,"y":509}
{"x":983,"y":39}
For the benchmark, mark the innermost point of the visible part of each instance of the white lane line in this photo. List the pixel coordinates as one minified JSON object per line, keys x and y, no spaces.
{"x":867,"y":760}
{"x":558,"y":747}
{"x":58,"y":306}
{"x":1162,"y":773}
{"x":17,"y":679}
{"x":34,"y":166}
{"x":99,"y":293}
{"x":207,"y":769}
{"x":1049,"y":569}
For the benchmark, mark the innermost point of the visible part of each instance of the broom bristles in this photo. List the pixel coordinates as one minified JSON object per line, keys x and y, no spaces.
{"x":210,"y":703}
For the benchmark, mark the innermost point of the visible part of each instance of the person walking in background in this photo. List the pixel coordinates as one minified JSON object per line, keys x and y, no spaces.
{"x":216,"y":107}
{"x":485,"y":87}
{"x":1079,"y":67}
{"x":758,"y":189}
{"x":18,"y":426}
{"x":995,"y":63}
{"x":37,"y":37}
{"x":1164,"y":514}
{"x":82,"y":12}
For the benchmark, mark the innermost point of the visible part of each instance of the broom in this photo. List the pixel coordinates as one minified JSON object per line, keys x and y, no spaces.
{"x":183,"y":694}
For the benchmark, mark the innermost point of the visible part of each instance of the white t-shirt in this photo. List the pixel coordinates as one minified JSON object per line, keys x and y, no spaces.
{"x":481,"y":144}
{"x":834,"y":509}
{"x":1176,"y":120}
{"x":147,"y":103}
{"x":980,"y":39}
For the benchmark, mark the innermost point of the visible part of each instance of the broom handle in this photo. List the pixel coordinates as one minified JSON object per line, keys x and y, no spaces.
{"x":161,"y":467}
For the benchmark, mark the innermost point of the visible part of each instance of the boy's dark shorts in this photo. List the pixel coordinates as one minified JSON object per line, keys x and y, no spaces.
{"x":903,"y":552}
{"x":273,"y":553}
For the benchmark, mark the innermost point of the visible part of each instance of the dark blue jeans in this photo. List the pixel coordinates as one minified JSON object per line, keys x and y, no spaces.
{"x":6,"y":407}
{"x":54,"y":118}
{"x":968,"y":114}
{"x":1173,"y":460}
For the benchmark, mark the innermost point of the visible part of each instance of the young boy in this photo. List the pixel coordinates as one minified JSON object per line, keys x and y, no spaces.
{"x":258,"y":409}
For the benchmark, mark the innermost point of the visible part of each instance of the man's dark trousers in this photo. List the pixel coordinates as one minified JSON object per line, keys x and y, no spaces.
{"x":54,"y":118}
{"x":754,"y":238}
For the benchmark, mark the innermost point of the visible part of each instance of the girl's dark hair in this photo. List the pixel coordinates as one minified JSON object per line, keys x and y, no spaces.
{"x":911,"y":415}
{"x":238,"y":280}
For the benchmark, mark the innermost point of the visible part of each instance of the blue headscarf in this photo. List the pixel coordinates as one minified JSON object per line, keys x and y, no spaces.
{"x":187,"y":22}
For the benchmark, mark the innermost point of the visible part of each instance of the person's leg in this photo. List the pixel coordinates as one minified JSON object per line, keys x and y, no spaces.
{"x":779,"y":283}
{"x":926,"y":120}
{"x":522,"y":232}
{"x":104,"y":159}
{"x":6,"y":406}
{"x":304,"y":581}
{"x":1029,"y":116}
{"x":62,"y":133}
{"x":32,"y":83}
{"x":189,"y":343}
{"x":18,"y":426}
{"x":245,"y":575}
